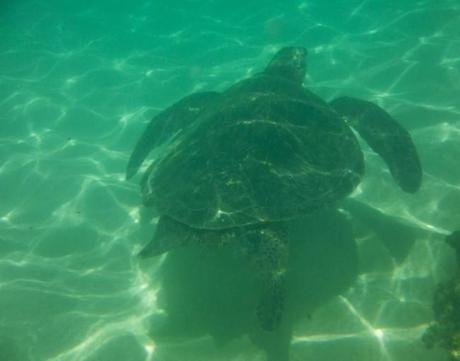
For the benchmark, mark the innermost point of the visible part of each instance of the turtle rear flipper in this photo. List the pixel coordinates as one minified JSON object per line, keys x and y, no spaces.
{"x":169,"y":234}
{"x":167,"y":124}
{"x":270,"y":262}
{"x":386,"y":137}
{"x":271,"y":304}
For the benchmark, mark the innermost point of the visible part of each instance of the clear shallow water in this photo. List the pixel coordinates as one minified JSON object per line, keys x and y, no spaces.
{"x":78,"y":83}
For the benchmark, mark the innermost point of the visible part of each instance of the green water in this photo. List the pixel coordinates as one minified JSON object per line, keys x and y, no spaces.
{"x":79,"y":81}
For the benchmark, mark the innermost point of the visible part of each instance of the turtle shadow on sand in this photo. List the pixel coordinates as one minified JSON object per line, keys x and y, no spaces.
{"x":244,"y":168}
{"x":212,"y":292}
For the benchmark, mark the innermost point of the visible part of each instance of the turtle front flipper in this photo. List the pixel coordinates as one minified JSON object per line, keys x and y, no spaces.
{"x":386,"y":137}
{"x":270,"y":261}
{"x":167,"y":124}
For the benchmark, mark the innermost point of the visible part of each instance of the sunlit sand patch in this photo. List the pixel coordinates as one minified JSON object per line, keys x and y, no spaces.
{"x":119,"y":64}
{"x":134,"y":213}
{"x":424,"y":225}
{"x":102,"y":334}
{"x":150,"y":349}
{"x":71,"y":81}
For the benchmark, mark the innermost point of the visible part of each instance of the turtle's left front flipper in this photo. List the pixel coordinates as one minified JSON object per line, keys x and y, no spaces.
{"x":167,"y":124}
{"x":386,"y":137}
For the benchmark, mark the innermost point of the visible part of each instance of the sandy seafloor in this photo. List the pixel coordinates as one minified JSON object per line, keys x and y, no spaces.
{"x":79,"y":80}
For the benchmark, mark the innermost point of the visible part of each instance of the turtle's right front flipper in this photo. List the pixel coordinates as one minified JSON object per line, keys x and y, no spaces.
{"x":167,"y":124}
{"x":386,"y":137}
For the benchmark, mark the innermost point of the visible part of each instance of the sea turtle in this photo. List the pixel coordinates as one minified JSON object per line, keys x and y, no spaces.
{"x":235,"y":166}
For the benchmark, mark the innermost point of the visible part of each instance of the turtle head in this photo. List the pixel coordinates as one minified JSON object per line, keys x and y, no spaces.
{"x":290,"y":63}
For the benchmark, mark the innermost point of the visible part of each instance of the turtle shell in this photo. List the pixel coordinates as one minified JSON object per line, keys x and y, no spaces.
{"x":257,"y":157}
